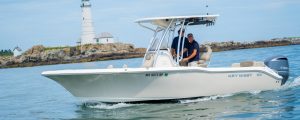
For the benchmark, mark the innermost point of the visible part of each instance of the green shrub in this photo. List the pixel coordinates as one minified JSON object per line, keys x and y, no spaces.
{"x":6,"y":53}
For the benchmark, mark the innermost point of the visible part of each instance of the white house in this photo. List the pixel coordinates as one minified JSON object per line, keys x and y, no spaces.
{"x":104,"y":38}
{"x":17,"y":51}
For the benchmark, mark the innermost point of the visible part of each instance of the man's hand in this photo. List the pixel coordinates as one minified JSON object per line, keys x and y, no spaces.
{"x":174,"y":56}
{"x":185,"y":60}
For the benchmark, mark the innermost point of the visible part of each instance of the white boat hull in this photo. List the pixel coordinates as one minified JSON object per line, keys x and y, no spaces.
{"x":142,"y":84}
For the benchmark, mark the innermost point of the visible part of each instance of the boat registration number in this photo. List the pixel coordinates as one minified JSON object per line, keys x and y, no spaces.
{"x":156,"y":74}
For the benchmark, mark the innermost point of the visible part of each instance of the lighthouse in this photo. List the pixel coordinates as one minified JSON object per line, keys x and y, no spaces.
{"x":88,"y":33}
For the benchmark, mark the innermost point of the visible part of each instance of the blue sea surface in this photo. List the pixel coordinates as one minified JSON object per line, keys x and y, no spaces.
{"x":25,"y":94}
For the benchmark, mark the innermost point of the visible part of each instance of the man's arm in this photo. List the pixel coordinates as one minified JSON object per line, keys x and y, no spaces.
{"x":173,"y":46}
{"x":173,"y":52}
{"x":184,"y":50}
{"x":191,"y":56}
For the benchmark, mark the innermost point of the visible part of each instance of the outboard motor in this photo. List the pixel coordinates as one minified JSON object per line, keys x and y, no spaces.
{"x":280,"y":65}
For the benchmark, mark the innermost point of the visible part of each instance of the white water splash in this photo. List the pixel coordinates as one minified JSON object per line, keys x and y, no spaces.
{"x":291,"y":84}
{"x":205,"y":98}
{"x":255,"y":92}
{"x":108,"y":106}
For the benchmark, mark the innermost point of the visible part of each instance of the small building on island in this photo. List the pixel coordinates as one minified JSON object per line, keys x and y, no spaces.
{"x":17,"y":51}
{"x":104,"y":38}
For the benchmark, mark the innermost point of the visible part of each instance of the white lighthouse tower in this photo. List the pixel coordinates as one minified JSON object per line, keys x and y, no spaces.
{"x":88,"y":34}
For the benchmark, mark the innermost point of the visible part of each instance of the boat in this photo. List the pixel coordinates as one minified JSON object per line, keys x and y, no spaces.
{"x":162,"y":78}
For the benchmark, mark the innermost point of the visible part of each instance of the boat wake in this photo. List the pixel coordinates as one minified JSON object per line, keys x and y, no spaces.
{"x":204,"y":99}
{"x":291,"y":83}
{"x":106,"y":106}
{"x":215,"y":97}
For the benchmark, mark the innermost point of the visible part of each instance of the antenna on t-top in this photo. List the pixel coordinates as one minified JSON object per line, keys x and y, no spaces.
{"x":206,"y":6}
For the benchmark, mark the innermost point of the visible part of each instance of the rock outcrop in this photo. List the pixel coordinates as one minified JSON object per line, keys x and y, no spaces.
{"x":231,"y":45}
{"x":40,"y":55}
{"x":35,"y":50}
{"x":2,"y":62}
{"x":105,"y":48}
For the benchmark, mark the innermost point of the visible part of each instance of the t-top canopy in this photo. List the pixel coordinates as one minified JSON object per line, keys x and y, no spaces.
{"x":191,"y":20}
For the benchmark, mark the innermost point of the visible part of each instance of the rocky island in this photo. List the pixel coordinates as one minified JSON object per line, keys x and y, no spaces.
{"x":40,"y":55}
{"x":231,"y":45}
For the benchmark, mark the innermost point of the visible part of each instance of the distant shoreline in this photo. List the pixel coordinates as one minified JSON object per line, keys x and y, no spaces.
{"x":40,"y":55}
{"x":231,"y":45}
{"x":83,"y":60}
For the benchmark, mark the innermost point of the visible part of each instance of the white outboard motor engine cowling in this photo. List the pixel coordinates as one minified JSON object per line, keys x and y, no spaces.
{"x":280,"y":65}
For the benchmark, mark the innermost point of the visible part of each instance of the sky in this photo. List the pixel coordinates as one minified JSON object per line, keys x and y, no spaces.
{"x":25,"y":23}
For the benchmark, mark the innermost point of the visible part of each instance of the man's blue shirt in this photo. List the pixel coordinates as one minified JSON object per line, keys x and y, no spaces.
{"x":175,"y":44}
{"x":191,"y":47}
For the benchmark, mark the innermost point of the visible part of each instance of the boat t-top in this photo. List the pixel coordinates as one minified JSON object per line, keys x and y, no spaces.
{"x":161,"y":77}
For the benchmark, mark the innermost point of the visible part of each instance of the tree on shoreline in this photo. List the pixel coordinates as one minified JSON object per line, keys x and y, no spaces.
{"x":6,"y":53}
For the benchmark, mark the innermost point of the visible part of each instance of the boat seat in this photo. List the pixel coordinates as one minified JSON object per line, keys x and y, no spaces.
{"x":205,"y":55}
{"x":249,"y":64}
{"x":149,"y":60}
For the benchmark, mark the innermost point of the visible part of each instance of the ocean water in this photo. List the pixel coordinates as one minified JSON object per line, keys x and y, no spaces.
{"x":25,"y":94}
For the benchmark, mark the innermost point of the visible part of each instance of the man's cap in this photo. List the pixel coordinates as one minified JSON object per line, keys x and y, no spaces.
{"x":190,"y":35}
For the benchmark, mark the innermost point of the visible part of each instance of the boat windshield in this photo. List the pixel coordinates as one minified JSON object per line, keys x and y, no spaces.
{"x":165,"y":43}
